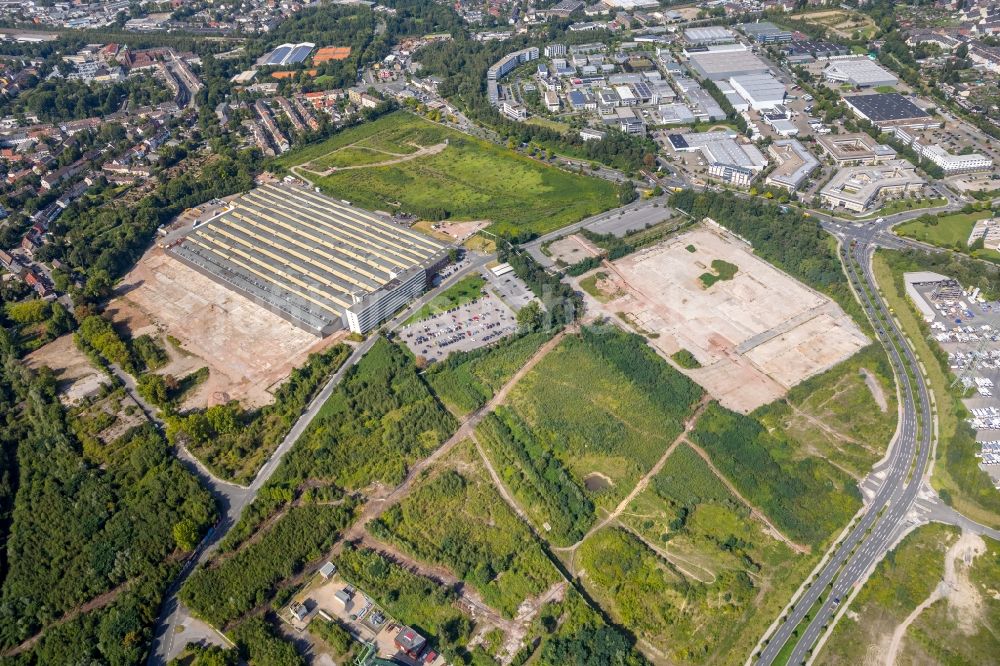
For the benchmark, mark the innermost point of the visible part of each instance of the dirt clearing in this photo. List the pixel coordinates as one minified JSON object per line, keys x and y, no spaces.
{"x":964,"y":601}
{"x":755,"y":334}
{"x":572,"y":249}
{"x":77,"y":378}
{"x":249,"y":351}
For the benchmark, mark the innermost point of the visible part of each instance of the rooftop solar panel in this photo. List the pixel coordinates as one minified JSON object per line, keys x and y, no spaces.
{"x":278,"y":55}
{"x":298,"y":54}
{"x":678,"y":141}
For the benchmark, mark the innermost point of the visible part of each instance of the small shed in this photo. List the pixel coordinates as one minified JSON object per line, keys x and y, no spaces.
{"x":327,"y":570}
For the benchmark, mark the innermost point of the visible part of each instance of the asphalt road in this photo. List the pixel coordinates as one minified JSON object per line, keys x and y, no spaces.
{"x":231,"y":498}
{"x":901,"y":472}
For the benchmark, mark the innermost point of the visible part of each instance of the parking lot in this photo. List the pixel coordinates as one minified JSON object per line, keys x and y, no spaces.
{"x":968,"y":330}
{"x":462,"y":328}
{"x":512,"y":289}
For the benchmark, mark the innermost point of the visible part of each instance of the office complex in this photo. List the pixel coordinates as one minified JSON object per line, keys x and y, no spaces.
{"x":504,"y":66}
{"x":857,"y":188}
{"x":950,"y":163}
{"x":795,"y":163}
{"x":309,"y":258}
{"x":765,"y":32}
{"x":855,"y":148}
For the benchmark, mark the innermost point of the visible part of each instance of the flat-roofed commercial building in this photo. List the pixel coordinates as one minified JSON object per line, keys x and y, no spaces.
{"x":713,"y":34}
{"x":721,"y":150}
{"x":856,"y":148}
{"x":309,"y":258}
{"x":952,"y":163}
{"x":857,"y":188}
{"x":765,"y":32}
{"x":718,"y":65}
{"x":761,"y":91}
{"x":859,"y":72}
{"x":795,"y":163}
{"x":890,"y":110}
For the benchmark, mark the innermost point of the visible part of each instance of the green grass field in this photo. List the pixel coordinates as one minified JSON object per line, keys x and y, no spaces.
{"x":807,"y":497}
{"x":456,"y":518}
{"x":464,"y":291}
{"x":465,"y":381}
{"x":931,"y":638}
{"x":836,"y":415}
{"x":470,"y":179}
{"x":720,"y":561}
{"x":600,"y":408}
{"x":723,"y":270}
{"x":900,"y":205}
{"x":595,"y":417}
{"x":949,"y":231}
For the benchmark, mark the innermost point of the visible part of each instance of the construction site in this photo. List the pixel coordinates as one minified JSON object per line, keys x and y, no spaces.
{"x":754,"y":330}
{"x":320,"y":263}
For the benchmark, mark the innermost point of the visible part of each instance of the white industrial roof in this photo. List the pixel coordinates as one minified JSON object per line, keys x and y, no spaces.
{"x":860,"y":71}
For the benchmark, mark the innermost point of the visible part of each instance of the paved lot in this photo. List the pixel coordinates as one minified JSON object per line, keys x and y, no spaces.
{"x":464,"y":328}
{"x":970,"y":334}
{"x":511,"y":289}
{"x":631,"y":220}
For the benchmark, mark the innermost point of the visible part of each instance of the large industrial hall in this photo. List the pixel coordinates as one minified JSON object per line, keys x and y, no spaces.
{"x":316,"y":261}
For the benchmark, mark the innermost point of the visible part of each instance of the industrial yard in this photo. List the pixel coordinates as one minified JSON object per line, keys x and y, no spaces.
{"x":247,"y":349}
{"x":755,"y":334}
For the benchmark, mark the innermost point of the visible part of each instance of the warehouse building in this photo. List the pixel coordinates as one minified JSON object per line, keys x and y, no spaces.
{"x":318,"y":262}
{"x":761,"y":91}
{"x":718,"y":65}
{"x":859,"y":72}
{"x":857,"y":188}
{"x":890,"y":110}
{"x":714,"y":34}
{"x":795,"y":163}
{"x":721,"y":150}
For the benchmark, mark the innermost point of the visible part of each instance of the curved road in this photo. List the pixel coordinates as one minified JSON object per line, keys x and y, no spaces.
{"x":901,"y":473}
{"x":232,"y":498}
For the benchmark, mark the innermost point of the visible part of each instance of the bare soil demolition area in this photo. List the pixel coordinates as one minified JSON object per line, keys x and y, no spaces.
{"x":756,"y":332}
{"x":248,"y":350}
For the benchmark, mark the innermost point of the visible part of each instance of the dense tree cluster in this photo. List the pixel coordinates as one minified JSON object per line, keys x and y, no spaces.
{"x":224,"y":593}
{"x":99,"y":243}
{"x":58,"y":100}
{"x":562,"y":304}
{"x":232,"y":441}
{"x":672,"y":392}
{"x":806,"y":497}
{"x":532,"y":467}
{"x":81,"y":527}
